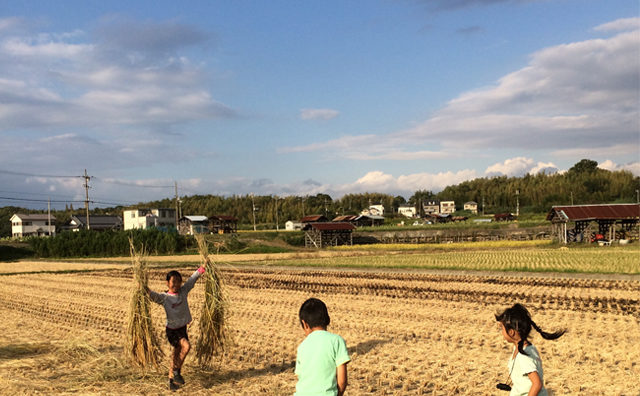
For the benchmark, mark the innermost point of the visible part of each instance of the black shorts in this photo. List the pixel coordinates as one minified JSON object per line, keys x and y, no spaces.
{"x":174,"y":335}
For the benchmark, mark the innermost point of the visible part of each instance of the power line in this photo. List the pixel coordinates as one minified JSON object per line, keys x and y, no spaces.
{"x":34,"y":175}
{"x":39,"y":200}
{"x":35,"y":193}
{"x":129,"y":184}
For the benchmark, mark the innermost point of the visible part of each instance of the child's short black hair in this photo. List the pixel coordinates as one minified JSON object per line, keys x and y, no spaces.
{"x":314,"y":312}
{"x":171,"y":274}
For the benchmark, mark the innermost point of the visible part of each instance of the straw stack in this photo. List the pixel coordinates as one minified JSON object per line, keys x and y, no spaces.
{"x":214,"y":337}
{"x":142,"y":345}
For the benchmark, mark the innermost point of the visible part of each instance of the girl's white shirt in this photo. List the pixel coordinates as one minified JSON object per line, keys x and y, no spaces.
{"x":520,"y":367}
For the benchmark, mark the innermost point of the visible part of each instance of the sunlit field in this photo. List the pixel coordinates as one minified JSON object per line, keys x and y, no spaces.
{"x":409,"y":332}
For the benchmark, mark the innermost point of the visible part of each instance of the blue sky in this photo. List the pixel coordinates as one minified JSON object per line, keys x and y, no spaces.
{"x":285,"y":97}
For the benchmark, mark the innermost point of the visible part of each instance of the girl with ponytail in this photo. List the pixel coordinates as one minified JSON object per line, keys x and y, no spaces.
{"x":525,"y":366}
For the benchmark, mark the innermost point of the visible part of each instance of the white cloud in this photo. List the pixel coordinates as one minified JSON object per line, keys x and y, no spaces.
{"x":318,"y":114}
{"x":624,"y":24}
{"x":130,"y":73}
{"x":633,"y":167}
{"x":520,"y":166}
{"x":576,"y":96}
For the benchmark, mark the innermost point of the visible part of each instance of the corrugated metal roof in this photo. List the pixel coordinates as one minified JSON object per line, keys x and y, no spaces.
{"x":23,"y":216}
{"x":96,"y":220}
{"x":196,"y":218}
{"x":593,"y":212}
{"x":345,"y":218}
{"x":308,"y":219}
{"x":332,"y":226}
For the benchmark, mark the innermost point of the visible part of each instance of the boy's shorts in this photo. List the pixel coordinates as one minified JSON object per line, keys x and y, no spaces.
{"x":174,"y":335}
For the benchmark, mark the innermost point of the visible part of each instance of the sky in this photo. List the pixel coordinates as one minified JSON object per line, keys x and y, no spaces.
{"x":299,"y":98}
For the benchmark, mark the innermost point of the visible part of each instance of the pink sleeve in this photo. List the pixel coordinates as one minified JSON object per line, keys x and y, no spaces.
{"x":201,"y":270}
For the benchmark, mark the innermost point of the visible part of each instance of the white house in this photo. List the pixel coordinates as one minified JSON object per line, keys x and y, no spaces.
{"x":32,"y":224}
{"x":431,"y":207}
{"x":373,"y":210}
{"x":471,"y":206}
{"x":407,"y":210}
{"x":146,"y":218}
{"x":292,"y":226}
{"x":447,"y":207}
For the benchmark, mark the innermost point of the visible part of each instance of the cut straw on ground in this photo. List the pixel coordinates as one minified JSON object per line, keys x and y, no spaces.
{"x":214,"y":337}
{"x":142,"y":345}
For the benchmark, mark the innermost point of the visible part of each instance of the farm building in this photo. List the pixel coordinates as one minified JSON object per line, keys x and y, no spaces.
{"x":615,"y":221}
{"x":447,"y":207}
{"x":292,"y":226}
{"x":432,"y":206}
{"x":313,"y":219}
{"x":192,"y":225}
{"x":471,"y":206}
{"x":320,"y":235}
{"x":32,"y":225}
{"x":407,"y":210}
{"x":223,"y":224}
{"x":368,"y":221}
{"x":96,"y":223}
{"x":346,"y":218}
{"x":503,"y":217}
{"x":438,"y":218}
{"x":147,"y":218}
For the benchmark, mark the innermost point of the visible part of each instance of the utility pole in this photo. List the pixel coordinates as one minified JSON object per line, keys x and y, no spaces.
{"x":86,"y":201}
{"x":483,"y":204}
{"x":277,"y":222}
{"x":517,"y":203}
{"x":175,"y":183}
{"x":49,"y":216}
{"x":571,"y":198}
{"x":253,"y":211}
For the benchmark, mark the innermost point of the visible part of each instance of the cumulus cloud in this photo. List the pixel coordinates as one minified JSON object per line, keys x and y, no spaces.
{"x":624,"y":24}
{"x":123,"y":73}
{"x":633,"y":167}
{"x":520,"y":166}
{"x":568,"y":97}
{"x":318,"y":114}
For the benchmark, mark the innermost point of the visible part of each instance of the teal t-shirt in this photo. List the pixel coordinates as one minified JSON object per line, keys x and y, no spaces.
{"x":318,"y":357}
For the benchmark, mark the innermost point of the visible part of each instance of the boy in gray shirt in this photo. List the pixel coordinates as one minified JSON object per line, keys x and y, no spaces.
{"x":176,"y":307}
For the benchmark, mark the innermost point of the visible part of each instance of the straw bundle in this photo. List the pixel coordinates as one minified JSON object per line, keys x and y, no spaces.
{"x":142,"y":346}
{"x":214,"y":337}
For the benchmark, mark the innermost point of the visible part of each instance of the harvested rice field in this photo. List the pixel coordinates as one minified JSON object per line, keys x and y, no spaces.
{"x":408,"y":333}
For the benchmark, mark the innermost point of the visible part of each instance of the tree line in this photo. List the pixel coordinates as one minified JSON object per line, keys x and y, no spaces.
{"x":109,"y":243}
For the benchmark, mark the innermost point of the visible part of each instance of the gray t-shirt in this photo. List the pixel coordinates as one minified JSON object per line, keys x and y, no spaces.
{"x":176,"y":305}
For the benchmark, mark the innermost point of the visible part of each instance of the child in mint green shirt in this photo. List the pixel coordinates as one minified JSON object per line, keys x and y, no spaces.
{"x":321,"y":363}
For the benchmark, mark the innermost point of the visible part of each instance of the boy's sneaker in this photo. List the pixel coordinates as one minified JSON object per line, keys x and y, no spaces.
{"x":177,"y":378}
{"x":172,"y":385}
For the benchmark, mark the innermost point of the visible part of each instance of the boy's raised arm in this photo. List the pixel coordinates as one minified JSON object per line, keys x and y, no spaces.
{"x":154,"y":296}
{"x":341,"y":378}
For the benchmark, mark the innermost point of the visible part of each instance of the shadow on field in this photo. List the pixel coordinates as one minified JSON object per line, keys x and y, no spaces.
{"x":20,"y":351}
{"x":366,"y":346}
{"x":209,"y":379}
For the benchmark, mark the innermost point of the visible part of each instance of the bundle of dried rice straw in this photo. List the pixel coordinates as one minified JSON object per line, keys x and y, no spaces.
{"x":142,"y":346}
{"x":214,"y":337}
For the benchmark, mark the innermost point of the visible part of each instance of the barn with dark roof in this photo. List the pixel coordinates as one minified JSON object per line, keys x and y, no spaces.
{"x":613,"y":221}
{"x":321,"y":235}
